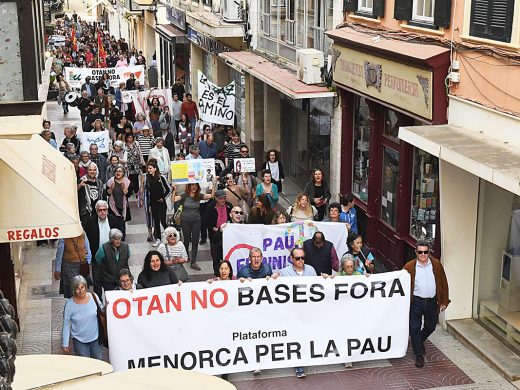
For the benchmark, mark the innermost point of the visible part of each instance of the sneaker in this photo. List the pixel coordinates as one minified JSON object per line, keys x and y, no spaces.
{"x":195,"y":266}
{"x":156,"y":243}
{"x":348,"y":365}
{"x":300,"y":372}
{"x":256,"y":372}
{"x":419,"y":361}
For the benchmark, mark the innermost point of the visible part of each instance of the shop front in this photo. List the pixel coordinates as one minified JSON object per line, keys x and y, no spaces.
{"x":480,"y":201}
{"x":386,"y":84}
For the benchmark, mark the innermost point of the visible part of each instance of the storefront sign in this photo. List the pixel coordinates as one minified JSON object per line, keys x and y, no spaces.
{"x":260,"y":324}
{"x":207,"y":43}
{"x":400,"y":85}
{"x":193,"y":171}
{"x":76,"y":76}
{"x":176,"y":16}
{"x":29,"y":234}
{"x":276,"y":241}
{"x":216,"y":104}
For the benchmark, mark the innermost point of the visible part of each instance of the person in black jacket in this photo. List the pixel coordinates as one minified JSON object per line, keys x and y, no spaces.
{"x":274,"y":165}
{"x":178,"y":89}
{"x":95,"y":228}
{"x":215,"y":233}
{"x":321,"y":254}
{"x":155,"y":272}
{"x":167,"y":136}
{"x":318,"y":191}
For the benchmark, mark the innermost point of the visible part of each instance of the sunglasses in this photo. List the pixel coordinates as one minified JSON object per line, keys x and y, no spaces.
{"x":422,"y":252}
{"x":299,"y":257}
{"x":172,"y":235}
{"x":239,"y":212}
{"x":244,"y":151}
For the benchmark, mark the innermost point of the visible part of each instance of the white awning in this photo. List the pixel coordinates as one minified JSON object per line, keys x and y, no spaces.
{"x":38,"y":195}
{"x":479,"y":154}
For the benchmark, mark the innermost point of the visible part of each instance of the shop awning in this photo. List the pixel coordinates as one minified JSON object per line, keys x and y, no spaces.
{"x":38,"y":196}
{"x":171,"y":33}
{"x":479,"y":154}
{"x":279,"y":78}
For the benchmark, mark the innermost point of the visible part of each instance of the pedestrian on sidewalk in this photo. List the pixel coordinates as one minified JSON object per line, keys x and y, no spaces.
{"x":429,"y":296}
{"x":80,"y":321}
{"x":70,"y":254}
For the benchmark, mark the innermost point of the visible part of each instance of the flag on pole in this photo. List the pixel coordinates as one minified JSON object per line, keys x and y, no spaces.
{"x":101,"y":49}
{"x":73,"y":37}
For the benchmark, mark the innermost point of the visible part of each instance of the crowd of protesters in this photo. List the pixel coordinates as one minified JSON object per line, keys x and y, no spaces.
{"x":142,"y":145}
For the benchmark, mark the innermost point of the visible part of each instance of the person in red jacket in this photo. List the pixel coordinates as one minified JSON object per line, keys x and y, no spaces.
{"x":189,"y":107}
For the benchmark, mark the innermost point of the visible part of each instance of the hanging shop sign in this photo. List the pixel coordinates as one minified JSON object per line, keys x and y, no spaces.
{"x":176,"y":16}
{"x":207,"y":43}
{"x":400,"y":85}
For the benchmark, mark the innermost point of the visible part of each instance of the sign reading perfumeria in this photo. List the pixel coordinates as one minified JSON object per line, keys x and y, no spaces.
{"x":398,"y":84}
{"x":229,"y":326}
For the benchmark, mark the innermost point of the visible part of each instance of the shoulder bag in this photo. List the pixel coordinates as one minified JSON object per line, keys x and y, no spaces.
{"x":102,"y":323}
{"x":178,"y":268}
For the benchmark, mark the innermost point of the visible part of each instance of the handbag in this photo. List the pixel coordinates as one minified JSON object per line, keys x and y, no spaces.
{"x":102,"y":324}
{"x":178,"y":268}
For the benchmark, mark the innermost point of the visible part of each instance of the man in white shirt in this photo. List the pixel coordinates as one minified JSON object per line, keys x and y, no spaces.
{"x":98,"y":227}
{"x":429,"y":295}
{"x":176,"y":114}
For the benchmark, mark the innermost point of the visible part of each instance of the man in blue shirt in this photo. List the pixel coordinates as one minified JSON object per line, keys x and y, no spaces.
{"x":208,"y":148}
{"x":256,"y":268}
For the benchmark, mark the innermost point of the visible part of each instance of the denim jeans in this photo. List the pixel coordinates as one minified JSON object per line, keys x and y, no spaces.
{"x":92,"y":349}
{"x":419,"y":308}
{"x":193,"y":122}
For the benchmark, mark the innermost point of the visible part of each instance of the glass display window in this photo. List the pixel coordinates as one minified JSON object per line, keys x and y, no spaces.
{"x":392,"y":122}
{"x":390,"y":186}
{"x":361,"y":151}
{"x":425,"y":198}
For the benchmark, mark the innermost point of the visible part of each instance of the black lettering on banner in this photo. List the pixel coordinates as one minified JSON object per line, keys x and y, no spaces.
{"x":277,"y":352}
{"x":240,"y":356}
{"x":261,"y":350}
{"x":206,"y":355}
{"x":221,"y":362}
{"x":152,"y":363}
{"x":294,"y":349}
{"x":352,"y":345}
{"x":396,"y":288}
{"x":264,"y":295}
{"x":281,"y":291}
{"x":378,"y":286}
{"x":340,"y":288}
{"x":354,"y":287}
{"x":184,"y":363}
{"x":314,"y":355}
{"x":140,"y":363}
{"x":297,"y":293}
{"x":245,"y":296}
{"x":168,"y":363}
{"x":331,"y":348}
{"x":317,"y":296}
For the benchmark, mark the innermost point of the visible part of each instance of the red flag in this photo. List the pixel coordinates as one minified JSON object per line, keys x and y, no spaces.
{"x":73,"y":38}
{"x":101,"y":49}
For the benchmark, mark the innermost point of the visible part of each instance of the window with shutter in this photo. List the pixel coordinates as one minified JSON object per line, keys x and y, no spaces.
{"x":492,"y":19}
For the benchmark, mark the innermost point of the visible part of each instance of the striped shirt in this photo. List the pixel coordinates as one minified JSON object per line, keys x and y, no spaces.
{"x":177,"y":250}
{"x":146,"y":144}
{"x":233,"y":151}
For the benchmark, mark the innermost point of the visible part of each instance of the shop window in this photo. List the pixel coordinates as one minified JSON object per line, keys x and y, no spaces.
{"x":492,"y":19}
{"x":361,"y":150}
{"x":390,"y":186}
{"x":425,"y":195}
{"x":393,"y":120}
{"x":319,"y":140}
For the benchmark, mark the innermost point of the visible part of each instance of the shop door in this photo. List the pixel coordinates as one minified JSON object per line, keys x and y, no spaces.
{"x":388,"y":245}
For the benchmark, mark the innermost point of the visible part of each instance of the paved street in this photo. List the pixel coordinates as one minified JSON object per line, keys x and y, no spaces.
{"x":449,"y":365}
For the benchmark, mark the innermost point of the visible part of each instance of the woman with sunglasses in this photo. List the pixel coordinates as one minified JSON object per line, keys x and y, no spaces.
{"x":361,"y":254}
{"x":174,"y":252}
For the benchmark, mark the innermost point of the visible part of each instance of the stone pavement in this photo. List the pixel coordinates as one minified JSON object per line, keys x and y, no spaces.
{"x":449,"y":365}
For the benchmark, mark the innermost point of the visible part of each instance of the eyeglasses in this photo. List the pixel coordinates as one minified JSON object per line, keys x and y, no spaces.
{"x":126,"y":281}
{"x":422,"y":252}
{"x":239,"y":212}
{"x":171,"y":235}
{"x":299,"y":257}
{"x":244,"y":151}
{"x":103,"y":210}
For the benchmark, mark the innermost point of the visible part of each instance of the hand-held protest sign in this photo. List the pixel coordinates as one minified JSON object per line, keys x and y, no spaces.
{"x":100,"y":138}
{"x":216,"y":104}
{"x":276,"y":241}
{"x":244,"y":165}
{"x":193,"y":171}
{"x":229,"y":326}
{"x":76,"y":76}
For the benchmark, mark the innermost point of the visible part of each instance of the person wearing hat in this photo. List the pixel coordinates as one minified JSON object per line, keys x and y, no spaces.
{"x":146,"y":142}
{"x":161,"y":154}
{"x":167,"y":136}
{"x":217,"y":214}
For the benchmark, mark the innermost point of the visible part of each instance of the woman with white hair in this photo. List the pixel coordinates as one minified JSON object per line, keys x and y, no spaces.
{"x":80,"y":321}
{"x":174,"y":252}
{"x":140,"y":123}
{"x":111,"y":258}
{"x":162,"y":156}
{"x":120,"y":152}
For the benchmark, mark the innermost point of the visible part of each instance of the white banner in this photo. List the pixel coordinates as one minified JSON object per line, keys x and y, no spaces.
{"x":100,"y":138}
{"x":216,"y":104}
{"x":139,"y":99}
{"x":276,"y":241}
{"x":229,"y":326}
{"x":193,"y":171}
{"x":244,"y":165}
{"x":76,"y":76}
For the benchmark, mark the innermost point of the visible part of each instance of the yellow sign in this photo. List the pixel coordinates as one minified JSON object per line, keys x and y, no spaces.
{"x":401,"y":85}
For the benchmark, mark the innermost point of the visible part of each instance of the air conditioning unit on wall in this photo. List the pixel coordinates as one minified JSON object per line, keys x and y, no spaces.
{"x":308,"y":64}
{"x":232,"y":10}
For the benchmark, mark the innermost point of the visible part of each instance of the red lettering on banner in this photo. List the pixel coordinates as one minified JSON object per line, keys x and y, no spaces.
{"x":203,"y":302}
{"x":155,"y":304}
{"x":224,"y":298}
{"x":176,"y":303}
{"x":139,"y":301}
{"x":115,"y":311}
